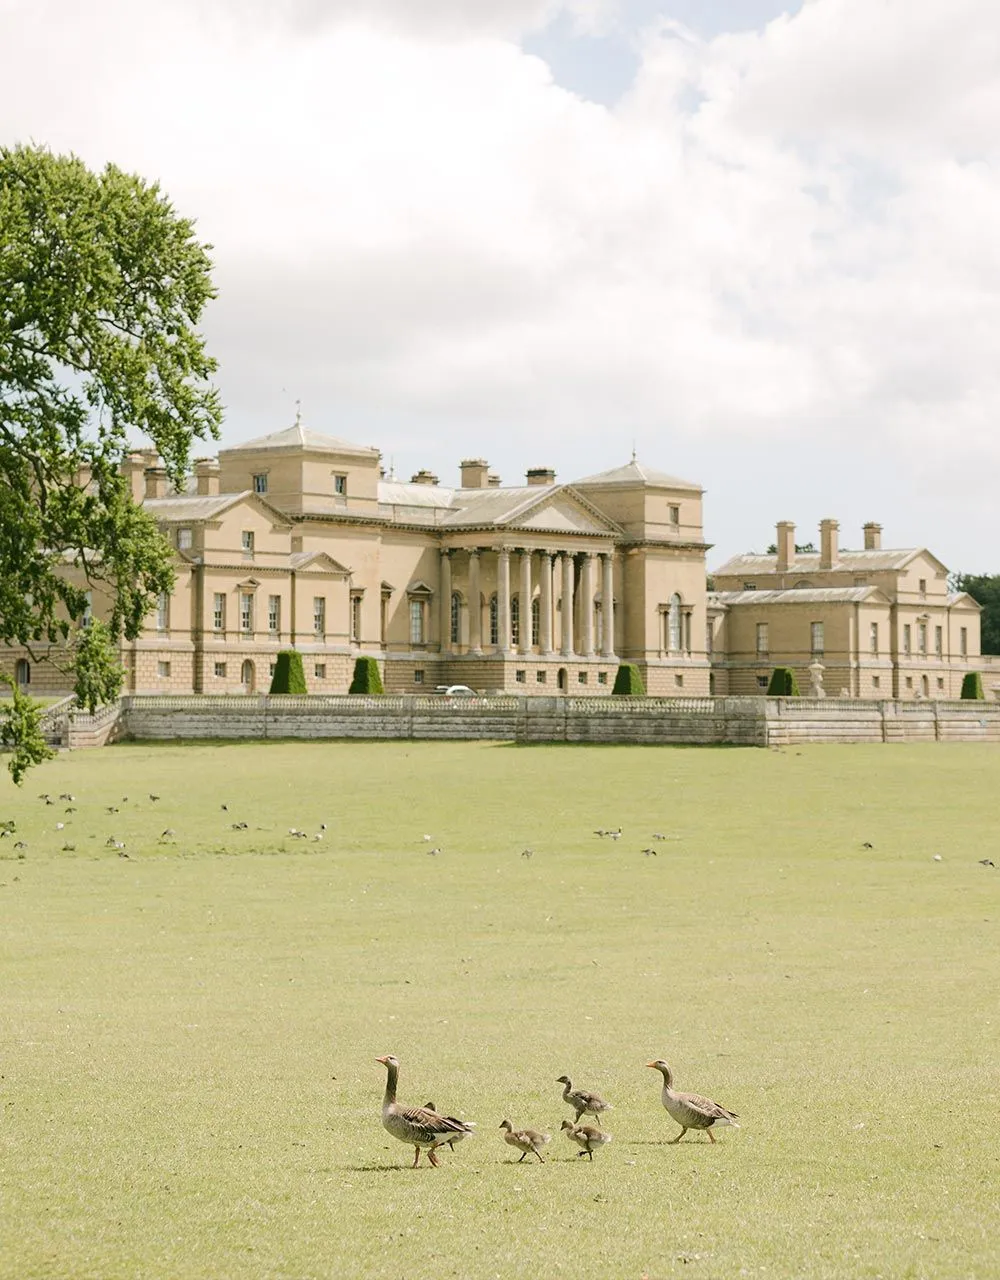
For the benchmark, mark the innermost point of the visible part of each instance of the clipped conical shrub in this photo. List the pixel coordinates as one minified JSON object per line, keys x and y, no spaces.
{"x":972,"y":685}
{"x":628,"y":681}
{"x":783,"y":683}
{"x":367,"y":677}
{"x":289,"y":676}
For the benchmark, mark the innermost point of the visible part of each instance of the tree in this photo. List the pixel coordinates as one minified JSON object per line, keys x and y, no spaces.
{"x":783,"y":683}
{"x":102,"y":285}
{"x":985,"y":589}
{"x":289,"y":674}
{"x":628,"y":681}
{"x":367,"y":677}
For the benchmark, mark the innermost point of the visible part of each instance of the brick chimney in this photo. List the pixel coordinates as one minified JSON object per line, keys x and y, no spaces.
{"x":206,"y":474}
{"x":475,"y":473}
{"x":134,"y":469}
{"x":493,"y":480}
{"x":156,"y":482}
{"x":828,"y":551}
{"x":786,"y":545}
{"x":424,"y":477}
{"x":873,"y":536}
{"x":540,"y":475}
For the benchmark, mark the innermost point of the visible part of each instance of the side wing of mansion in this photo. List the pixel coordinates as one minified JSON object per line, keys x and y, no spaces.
{"x":297,"y":539}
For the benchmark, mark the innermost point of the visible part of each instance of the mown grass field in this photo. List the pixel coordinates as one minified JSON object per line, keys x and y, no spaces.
{"x":188,"y":1034}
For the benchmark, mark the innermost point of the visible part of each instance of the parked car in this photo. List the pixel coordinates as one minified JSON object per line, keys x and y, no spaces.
{"x":456,"y":691}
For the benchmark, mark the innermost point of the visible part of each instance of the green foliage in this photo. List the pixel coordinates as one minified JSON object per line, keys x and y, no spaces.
{"x":985,"y":590}
{"x":628,"y":681}
{"x":21,"y":730}
{"x":783,"y":683}
{"x":97,"y":670}
{"x":289,"y":676}
{"x":367,"y":677}
{"x":972,"y":686}
{"x":102,"y":287}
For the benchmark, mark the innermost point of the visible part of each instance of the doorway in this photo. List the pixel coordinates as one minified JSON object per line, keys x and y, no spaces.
{"x":248,"y":677}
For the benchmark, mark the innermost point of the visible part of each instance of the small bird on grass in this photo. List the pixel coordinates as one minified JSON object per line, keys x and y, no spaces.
{"x":112,"y":808}
{"x":582,"y":1101}
{"x":586,"y":1137}
{"x":165,"y":835}
{"x":527,"y":1141}
{"x":433,"y":852}
{"x":527,"y":853}
{"x":691,"y":1110}
{"x":153,"y":798}
{"x":986,"y":862}
{"x":650,"y":853}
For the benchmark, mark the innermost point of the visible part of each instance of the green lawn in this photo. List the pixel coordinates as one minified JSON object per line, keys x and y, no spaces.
{"x":187,"y":1035}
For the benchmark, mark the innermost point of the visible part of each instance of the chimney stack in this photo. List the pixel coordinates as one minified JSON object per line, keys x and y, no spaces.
{"x":786,"y":545}
{"x":540,"y":475}
{"x":475,"y":473}
{"x":828,"y":551}
{"x":206,"y":474}
{"x":424,"y":477}
{"x":873,"y":536}
{"x":156,"y":482}
{"x":134,"y":467}
{"x":493,"y":480}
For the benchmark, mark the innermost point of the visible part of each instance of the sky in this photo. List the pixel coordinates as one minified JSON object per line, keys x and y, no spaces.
{"x":754,"y":240}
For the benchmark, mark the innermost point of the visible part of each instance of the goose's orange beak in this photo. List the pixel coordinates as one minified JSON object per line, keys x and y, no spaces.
{"x":648,"y":1064}
{"x":382,"y":1060}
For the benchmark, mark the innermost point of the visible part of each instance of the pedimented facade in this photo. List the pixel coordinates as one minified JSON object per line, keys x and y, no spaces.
{"x":298,"y":539}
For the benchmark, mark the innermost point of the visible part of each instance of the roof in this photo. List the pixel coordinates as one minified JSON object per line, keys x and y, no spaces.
{"x":184,"y":508}
{"x":551,"y":507}
{"x":801,"y":595}
{"x":303,"y":559}
{"x":299,"y":437}
{"x":809,"y":562}
{"x":636,"y":473}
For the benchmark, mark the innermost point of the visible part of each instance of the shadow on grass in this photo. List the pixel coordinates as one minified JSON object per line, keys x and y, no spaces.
{"x":653,"y":746}
{"x":385,"y":1168}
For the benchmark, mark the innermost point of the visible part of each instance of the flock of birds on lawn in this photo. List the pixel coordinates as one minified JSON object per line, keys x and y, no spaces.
{"x":426,"y":1129}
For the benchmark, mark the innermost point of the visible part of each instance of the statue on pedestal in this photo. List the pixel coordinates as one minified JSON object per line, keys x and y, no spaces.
{"x":816,"y":680}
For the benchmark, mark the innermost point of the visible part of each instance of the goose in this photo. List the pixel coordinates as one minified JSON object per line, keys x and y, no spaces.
{"x":585,"y":1137}
{"x":582,"y":1102}
{"x":419,"y":1126}
{"x":458,"y":1136}
{"x":691,"y":1110}
{"x":526,"y":1140}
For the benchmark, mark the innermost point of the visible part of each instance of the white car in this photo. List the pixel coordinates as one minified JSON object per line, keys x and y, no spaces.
{"x":456,"y":691}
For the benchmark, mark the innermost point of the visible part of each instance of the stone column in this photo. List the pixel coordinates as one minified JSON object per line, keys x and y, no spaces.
{"x":545,"y":605}
{"x":525,"y":602}
{"x":503,"y":600}
{"x":567,"y":604}
{"x":587,"y":605}
{"x":608,"y":605}
{"x":445,"y":611}
{"x":475,"y":603}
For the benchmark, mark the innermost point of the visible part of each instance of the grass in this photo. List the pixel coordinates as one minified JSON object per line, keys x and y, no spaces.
{"x":188,"y":1079}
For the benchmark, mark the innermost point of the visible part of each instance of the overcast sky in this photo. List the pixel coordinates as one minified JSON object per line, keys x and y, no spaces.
{"x":759,"y":239}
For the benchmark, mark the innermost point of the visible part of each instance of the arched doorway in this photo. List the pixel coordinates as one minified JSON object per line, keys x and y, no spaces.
{"x":925,"y":686}
{"x":22,"y":673}
{"x":248,"y":676}
{"x":561,"y":680}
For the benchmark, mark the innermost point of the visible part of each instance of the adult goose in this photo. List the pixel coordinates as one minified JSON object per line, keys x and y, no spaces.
{"x":691,"y":1110}
{"x":583,"y":1102}
{"x":527,"y":1141}
{"x":418,"y":1126}
{"x":585,"y":1137}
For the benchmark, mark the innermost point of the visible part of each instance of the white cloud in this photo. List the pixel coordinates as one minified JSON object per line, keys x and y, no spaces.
{"x":782,"y":236}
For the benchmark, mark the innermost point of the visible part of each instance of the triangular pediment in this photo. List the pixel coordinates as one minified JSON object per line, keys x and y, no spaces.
{"x":562,"y":512}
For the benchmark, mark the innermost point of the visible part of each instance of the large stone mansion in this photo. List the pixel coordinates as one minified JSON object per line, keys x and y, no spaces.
{"x":298,"y":539}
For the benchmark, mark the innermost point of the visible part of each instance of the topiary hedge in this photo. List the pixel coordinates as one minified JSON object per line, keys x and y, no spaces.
{"x":367,"y":677}
{"x":783,"y":683}
{"x":972,"y":685}
{"x":628,"y":681}
{"x":289,"y":677}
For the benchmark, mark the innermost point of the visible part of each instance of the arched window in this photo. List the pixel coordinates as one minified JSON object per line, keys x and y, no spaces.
{"x":674,"y":624}
{"x":598,"y":626}
{"x":515,"y":620}
{"x":456,"y":617}
{"x":247,"y":676}
{"x":536,"y":620}
{"x":22,"y":672}
{"x":494,"y":620}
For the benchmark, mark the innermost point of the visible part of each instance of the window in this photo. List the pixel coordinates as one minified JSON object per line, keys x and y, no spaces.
{"x":963,"y":641}
{"x":494,"y":621}
{"x":418,"y":677}
{"x":536,"y":620}
{"x":163,"y":670}
{"x":749,"y":586}
{"x":909,"y":682}
{"x":416,"y":622}
{"x":675,"y":515}
{"x":520,"y":676}
{"x":907,"y":639}
{"x":456,"y":617}
{"x":762,"y":637}
{"x":602,"y":677}
{"x":679,"y":679}
{"x":860,"y":581}
{"x":319,"y":670}
{"x":876,"y":682}
{"x":220,"y":670}
{"x":22,"y":672}
{"x":581,"y":677}
{"x":873,"y":637}
{"x":270,"y":668}
{"x":922,"y":588}
{"x":340,"y":486}
{"x":515,"y":620}
{"x":319,"y":616}
{"x":219,"y":611}
{"x":674,"y":623}
{"x":816,"y":637}
{"x":940,"y":682}
{"x":246,"y":612}
{"x":540,"y":677}
{"x":762,"y":682}
{"x":184,"y":539}
{"x":163,"y":612}
{"x":246,"y":541}
{"x":356,"y":599}
{"x":274,"y":614}
{"x":708,"y":637}
{"x":922,"y":638}
{"x":938,"y":641}
{"x":260,"y":482}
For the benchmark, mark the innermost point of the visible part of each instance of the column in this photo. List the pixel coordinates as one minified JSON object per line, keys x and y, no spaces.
{"x":475,"y":603}
{"x":545,"y":605}
{"x":567,"y":604}
{"x":587,"y":605}
{"x":503,"y":600}
{"x":525,"y":602}
{"x":445,"y":602}
{"x":608,"y":605}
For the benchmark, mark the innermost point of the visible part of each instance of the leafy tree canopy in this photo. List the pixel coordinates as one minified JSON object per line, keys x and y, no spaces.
{"x":102,"y":285}
{"x":984,"y":588}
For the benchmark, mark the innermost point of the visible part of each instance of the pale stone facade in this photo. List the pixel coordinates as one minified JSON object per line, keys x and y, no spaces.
{"x":298,"y":539}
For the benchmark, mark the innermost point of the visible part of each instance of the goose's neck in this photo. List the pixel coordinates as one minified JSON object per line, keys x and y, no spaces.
{"x":390,"y":1085}
{"x":668,"y":1078}
{"x":567,"y":1087}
